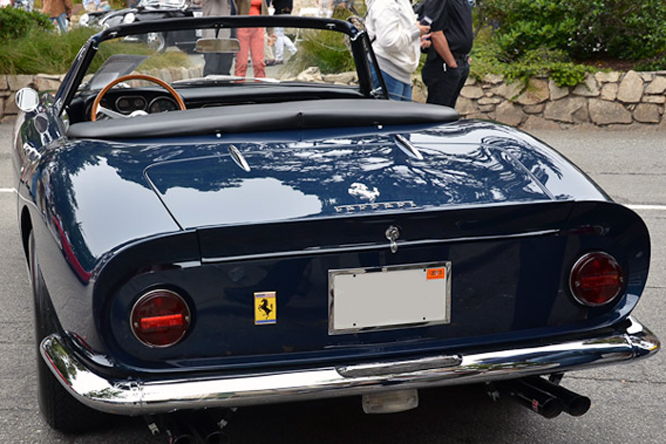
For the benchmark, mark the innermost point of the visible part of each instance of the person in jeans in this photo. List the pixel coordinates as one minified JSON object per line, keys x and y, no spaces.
{"x":447,"y":64}
{"x":397,"y":40}
{"x":251,"y":40}
{"x":59,"y":11}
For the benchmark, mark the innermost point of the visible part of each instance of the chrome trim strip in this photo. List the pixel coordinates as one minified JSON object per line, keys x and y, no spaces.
{"x":370,"y":247}
{"x":391,"y":368}
{"x":138,"y":397}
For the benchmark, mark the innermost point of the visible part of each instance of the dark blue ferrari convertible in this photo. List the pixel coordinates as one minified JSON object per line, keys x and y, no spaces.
{"x":199,"y":241}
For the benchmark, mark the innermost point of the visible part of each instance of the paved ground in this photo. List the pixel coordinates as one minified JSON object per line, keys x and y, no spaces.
{"x":629,"y":402}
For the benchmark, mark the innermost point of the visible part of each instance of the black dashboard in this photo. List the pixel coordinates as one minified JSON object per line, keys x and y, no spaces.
{"x":128,"y":101}
{"x":154,"y":100}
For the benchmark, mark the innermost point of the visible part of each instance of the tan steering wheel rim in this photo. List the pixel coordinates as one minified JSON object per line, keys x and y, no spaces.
{"x":162,"y":83}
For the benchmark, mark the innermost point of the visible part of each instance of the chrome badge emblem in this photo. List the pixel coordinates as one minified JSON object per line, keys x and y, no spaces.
{"x":363,"y":192}
{"x":393,"y":234}
{"x":405,"y":204}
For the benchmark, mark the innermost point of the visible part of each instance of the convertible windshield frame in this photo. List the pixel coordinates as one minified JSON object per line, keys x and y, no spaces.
{"x":236,"y":21}
{"x":359,"y":42}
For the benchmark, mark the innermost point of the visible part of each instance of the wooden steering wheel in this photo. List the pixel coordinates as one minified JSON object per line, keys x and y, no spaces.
{"x":96,"y":107}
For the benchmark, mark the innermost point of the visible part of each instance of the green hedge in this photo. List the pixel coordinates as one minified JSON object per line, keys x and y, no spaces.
{"x":15,"y":23}
{"x":584,"y":29}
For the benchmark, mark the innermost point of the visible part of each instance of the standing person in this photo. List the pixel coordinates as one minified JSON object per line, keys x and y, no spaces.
{"x":282,"y":7}
{"x":447,"y":64}
{"x":218,"y":63}
{"x":251,"y":40}
{"x":397,"y":38}
{"x":59,"y":11}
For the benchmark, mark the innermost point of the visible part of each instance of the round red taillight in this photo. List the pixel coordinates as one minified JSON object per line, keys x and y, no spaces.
{"x":596,"y":279}
{"x":160,"y":318}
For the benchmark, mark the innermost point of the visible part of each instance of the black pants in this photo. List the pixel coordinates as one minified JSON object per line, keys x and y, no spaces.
{"x":218,"y":64}
{"x":444,"y":86}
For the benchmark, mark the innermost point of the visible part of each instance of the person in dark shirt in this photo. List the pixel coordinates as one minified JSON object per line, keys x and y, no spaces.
{"x":282,"y":6}
{"x":447,"y":63}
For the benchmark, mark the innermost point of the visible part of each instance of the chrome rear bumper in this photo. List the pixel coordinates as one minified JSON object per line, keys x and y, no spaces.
{"x":136,"y":397}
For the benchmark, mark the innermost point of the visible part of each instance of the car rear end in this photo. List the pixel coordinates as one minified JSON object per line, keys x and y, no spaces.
{"x":347,"y":266}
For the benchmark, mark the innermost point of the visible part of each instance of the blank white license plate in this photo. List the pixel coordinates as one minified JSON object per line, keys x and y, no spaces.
{"x":389,"y":297}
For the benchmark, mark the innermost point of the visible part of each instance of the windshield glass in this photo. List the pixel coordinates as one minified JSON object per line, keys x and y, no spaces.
{"x":210,"y":56}
{"x":188,"y":63}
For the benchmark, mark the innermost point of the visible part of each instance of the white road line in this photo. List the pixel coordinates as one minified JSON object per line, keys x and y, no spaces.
{"x":7,"y":190}
{"x":648,"y":207}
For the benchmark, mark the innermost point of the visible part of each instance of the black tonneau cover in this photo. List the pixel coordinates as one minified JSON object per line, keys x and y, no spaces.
{"x":336,"y":113}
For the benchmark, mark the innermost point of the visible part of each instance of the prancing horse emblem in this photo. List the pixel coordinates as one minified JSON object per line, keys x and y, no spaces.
{"x":361,"y":191}
{"x":265,"y":308}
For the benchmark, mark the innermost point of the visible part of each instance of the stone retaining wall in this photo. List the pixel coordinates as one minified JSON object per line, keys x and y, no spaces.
{"x":10,"y":84}
{"x":605,"y":100}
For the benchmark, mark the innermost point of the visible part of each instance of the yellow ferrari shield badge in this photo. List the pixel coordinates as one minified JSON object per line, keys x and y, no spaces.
{"x":265,"y":308}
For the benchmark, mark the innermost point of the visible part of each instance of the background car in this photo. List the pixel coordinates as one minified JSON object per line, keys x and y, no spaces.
{"x":201,"y":243}
{"x":147,"y":10}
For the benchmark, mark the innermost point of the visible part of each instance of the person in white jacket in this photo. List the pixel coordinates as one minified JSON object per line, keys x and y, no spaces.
{"x":397,"y":40}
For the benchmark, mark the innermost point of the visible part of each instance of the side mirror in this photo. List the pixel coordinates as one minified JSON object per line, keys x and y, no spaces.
{"x":27,"y":99}
{"x":217,"y":46}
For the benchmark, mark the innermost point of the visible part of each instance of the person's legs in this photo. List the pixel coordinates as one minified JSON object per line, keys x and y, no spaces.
{"x":444,"y":86}
{"x":289,"y":45}
{"x":241,"y":56}
{"x":224,"y":63}
{"x":406,"y":92}
{"x":257,"y":52}
{"x":60,"y":22}
{"x":279,"y":44}
{"x":269,"y":48}
{"x":396,"y":89}
{"x":462,"y":72}
{"x":217,"y":64}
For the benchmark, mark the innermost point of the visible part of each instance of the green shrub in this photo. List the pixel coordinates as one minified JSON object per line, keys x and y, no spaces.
{"x":329,"y":51}
{"x":487,"y":58}
{"x":326,"y":50}
{"x":584,"y":29}
{"x":42,"y":51}
{"x":17,"y":22}
{"x":655,"y":64}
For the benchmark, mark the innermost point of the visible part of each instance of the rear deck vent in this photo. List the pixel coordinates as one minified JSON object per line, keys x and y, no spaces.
{"x":238,"y":158}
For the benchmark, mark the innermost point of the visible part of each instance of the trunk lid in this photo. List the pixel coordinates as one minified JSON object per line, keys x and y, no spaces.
{"x":370,"y":175}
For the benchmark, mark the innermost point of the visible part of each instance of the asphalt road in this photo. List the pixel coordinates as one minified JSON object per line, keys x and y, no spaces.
{"x":628,"y":401}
